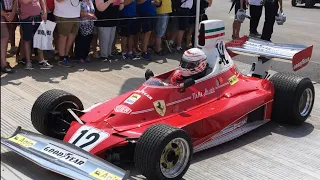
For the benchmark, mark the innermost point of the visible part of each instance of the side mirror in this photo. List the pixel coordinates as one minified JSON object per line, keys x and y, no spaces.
{"x":188,"y":83}
{"x":148,"y":74}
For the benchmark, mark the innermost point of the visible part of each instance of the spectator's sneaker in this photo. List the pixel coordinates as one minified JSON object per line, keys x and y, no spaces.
{"x":65,"y":63}
{"x":96,"y":55}
{"x":146,"y":56}
{"x":29,"y":66}
{"x":80,"y":61}
{"x":180,"y":50}
{"x":125,"y":56}
{"x":150,"y":47}
{"x":22,"y":61}
{"x":105,"y":59}
{"x":45,"y":64}
{"x":256,"y":34}
{"x":7,"y":69}
{"x":234,"y":37}
{"x":160,"y":53}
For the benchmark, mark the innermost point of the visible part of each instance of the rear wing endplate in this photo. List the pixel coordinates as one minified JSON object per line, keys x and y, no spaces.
{"x":61,"y":157}
{"x":300,"y":55}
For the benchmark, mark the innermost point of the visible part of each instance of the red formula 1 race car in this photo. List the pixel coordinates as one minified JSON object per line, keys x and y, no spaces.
{"x":159,"y":126}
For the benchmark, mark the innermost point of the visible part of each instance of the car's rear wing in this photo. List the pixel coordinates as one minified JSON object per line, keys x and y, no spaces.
{"x":61,"y":157}
{"x":299,"y":55}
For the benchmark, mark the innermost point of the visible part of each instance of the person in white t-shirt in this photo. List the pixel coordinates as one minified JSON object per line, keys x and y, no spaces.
{"x":66,"y":10}
{"x":255,"y":14}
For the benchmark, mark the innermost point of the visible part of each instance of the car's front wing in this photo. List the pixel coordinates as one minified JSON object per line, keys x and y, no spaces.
{"x":61,"y":157}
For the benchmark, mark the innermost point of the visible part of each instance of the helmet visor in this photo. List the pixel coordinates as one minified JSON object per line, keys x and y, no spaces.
{"x":187,"y":64}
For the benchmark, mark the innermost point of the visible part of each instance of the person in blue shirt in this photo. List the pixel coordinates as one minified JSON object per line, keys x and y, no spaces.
{"x":147,"y":13}
{"x":128,"y":28}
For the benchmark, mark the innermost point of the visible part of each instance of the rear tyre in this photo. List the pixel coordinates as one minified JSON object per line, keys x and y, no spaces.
{"x":310,"y":3}
{"x":163,"y":152}
{"x":294,"y":3}
{"x":49,"y":114}
{"x":293,"y":99}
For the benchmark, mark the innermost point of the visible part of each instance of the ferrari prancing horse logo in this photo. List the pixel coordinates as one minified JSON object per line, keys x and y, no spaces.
{"x":160,"y":107}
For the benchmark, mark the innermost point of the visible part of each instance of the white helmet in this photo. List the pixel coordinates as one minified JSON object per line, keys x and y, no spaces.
{"x":241,"y":15}
{"x":193,"y":62}
{"x":281,"y":18}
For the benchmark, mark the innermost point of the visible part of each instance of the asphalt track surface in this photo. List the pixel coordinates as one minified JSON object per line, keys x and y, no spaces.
{"x":273,"y":151}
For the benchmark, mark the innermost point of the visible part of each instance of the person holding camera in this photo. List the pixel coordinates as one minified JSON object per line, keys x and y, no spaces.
{"x":271,"y":11}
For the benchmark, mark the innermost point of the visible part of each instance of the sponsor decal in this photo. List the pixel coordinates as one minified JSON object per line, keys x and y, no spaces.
{"x":104,"y":175}
{"x":160,"y":107}
{"x":122,"y":109}
{"x":22,"y":141}
{"x":142,"y":91}
{"x":64,"y":155}
{"x":133,"y":98}
{"x":233,"y":80}
{"x":301,"y":63}
{"x":221,"y":85}
{"x":233,"y":127}
{"x":200,"y":94}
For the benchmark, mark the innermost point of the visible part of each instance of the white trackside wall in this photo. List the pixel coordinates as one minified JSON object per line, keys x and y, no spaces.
{"x":212,"y":33}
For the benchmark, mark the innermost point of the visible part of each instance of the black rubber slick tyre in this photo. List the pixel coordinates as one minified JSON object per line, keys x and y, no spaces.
{"x":54,"y":100}
{"x":290,"y":91}
{"x":294,"y":3}
{"x":310,"y":3}
{"x":152,"y":147}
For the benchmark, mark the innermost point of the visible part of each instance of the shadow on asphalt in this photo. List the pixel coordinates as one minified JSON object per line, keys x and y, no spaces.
{"x":257,"y":134}
{"x":26,"y":167}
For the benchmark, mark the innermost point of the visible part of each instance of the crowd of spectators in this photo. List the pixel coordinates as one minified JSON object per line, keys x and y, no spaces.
{"x":81,"y":26}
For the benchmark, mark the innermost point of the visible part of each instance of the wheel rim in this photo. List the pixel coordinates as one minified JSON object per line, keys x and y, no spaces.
{"x":62,"y":123}
{"x":174,"y":158}
{"x":305,"y":102}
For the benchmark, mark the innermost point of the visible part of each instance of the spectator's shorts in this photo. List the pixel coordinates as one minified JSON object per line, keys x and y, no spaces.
{"x":29,"y":28}
{"x":4,"y":29}
{"x":162,"y":24}
{"x":127,"y":27}
{"x":66,"y":28}
{"x":183,"y":18}
{"x":146,"y":22}
{"x":51,"y":17}
{"x":173,"y":25}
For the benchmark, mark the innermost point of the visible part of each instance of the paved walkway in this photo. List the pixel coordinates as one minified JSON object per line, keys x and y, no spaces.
{"x":270,"y":152}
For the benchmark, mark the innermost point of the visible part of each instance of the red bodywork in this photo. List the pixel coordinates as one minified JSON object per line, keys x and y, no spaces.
{"x":226,"y":102}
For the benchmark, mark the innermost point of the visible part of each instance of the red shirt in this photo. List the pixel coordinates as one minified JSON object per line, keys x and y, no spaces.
{"x":50,"y":5}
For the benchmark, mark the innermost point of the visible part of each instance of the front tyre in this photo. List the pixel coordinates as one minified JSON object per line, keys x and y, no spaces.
{"x":50,"y":115}
{"x":293,"y":99}
{"x":163,"y":152}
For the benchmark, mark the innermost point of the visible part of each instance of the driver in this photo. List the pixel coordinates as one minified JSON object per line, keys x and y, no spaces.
{"x":193,"y":65}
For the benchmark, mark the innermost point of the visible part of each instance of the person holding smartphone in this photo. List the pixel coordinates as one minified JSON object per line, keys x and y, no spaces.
{"x":105,"y":10}
{"x":85,"y":34}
